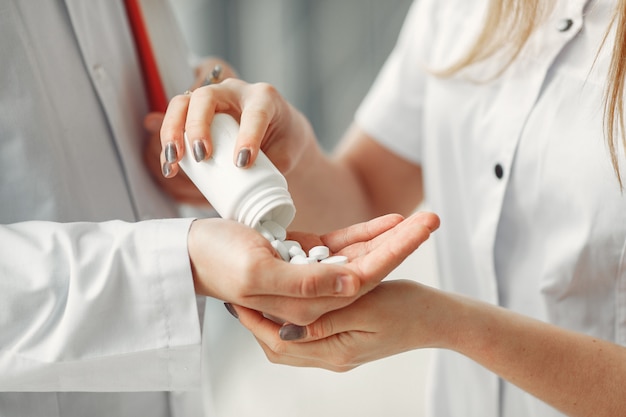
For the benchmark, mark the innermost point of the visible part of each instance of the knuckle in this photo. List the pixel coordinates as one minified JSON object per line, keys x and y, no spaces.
{"x":232,"y":83}
{"x":194,"y":125}
{"x":266,"y":89}
{"x":343,"y":359}
{"x":342,"y":369}
{"x":309,"y":287}
{"x":322,"y":328}
{"x":169,"y":133}
{"x":179,"y":100}
{"x":270,"y":355}
{"x":206,"y":93}
{"x":278,"y":348}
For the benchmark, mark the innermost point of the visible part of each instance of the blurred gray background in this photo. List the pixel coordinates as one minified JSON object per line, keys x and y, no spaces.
{"x":322,"y":56}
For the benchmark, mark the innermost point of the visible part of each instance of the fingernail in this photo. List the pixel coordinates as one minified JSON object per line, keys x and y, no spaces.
{"x":243,"y":157}
{"x":292,"y":332}
{"x":170,"y":152}
{"x":166,"y":169}
{"x":343,"y":285}
{"x":199,"y":151}
{"x":231,"y":310}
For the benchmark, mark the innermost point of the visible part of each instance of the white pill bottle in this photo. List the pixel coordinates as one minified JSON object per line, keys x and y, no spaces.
{"x":248,"y":195}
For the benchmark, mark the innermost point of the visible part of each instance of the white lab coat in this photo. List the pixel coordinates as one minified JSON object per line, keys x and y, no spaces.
{"x":532,"y":217}
{"x":91,"y":298}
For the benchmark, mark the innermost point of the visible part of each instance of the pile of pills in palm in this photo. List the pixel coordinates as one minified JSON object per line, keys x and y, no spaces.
{"x":291,"y":251}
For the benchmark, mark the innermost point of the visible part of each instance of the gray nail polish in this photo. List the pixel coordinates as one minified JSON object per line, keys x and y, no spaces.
{"x":292,"y":332}
{"x":170,"y":152}
{"x":243,"y":157}
{"x":231,"y":310}
{"x":199,"y":151}
{"x":166,"y":169}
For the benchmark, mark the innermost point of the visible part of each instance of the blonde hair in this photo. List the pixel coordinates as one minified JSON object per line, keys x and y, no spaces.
{"x":509,"y":24}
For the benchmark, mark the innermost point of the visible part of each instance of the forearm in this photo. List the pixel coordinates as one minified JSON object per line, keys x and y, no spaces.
{"x":578,"y":374}
{"x":86,"y":305}
{"x":362,"y":180}
{"x":327,"y":193}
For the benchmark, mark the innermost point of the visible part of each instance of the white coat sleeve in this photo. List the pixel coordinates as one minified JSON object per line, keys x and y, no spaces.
{"x":97,"y":307}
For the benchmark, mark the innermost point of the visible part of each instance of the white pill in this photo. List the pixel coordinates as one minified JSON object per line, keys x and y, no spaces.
{"x":292,"y":243}
{"x":266,"y":233}
{"x":335,"y":260}
{"x":275,"y":229}
{"x":319,"y":252}
{"x":302,"y":260}
{"x":281,"y":249}
{"x":295,"y":251}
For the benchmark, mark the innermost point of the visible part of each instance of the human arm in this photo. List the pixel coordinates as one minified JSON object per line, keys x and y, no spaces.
{"x":359,"y":181}
{"x":578,"y":374}
{"x":97,"y":307}
{"x":112,"y":306}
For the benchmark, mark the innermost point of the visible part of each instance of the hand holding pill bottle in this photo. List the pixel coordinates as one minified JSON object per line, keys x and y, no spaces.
{"x":250,"y":196}
{"x":256,"y":196}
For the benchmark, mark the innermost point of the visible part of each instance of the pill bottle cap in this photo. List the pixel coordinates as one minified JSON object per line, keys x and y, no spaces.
{"x":272,"y":203}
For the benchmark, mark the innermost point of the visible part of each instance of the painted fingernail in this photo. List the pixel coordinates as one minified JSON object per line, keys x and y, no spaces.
{"x":231,"y":310}
{"x":166,"y":169}
{"x":292,"y":332}
{"x":170,"y":152}
{"x":243,"y":157}
{"x":199,"y":151}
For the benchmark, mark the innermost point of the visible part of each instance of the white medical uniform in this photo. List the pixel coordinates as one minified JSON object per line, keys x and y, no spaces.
{"x":91,"y":298}
{"x":532,"y":217}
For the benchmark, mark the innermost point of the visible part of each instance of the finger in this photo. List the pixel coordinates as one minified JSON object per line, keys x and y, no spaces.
{"x":360,"y":232}
{"x":330,"y":324}
{"x":429,"y":220}
{"x":303,"y":361}
{"x":316,"y":352}
{"x":267,"y":334}
{"x":394,"y":246}
{"x":172,"y":131}
{"x":168,"y":169}
{"x":257,"y":114}
{"x":308,"y":281}
{"x":202,"y":108}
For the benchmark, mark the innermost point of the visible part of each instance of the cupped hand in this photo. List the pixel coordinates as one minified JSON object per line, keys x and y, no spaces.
{"x":394,"y":317}
{"x":234,"y":263}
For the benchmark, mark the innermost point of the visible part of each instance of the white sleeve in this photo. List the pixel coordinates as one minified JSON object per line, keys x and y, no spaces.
{"x":392,"y":110}
{"x":97,"y":307}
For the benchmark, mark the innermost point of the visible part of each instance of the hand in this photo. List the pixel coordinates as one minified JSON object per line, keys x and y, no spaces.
{"x":394,"y":317}
{"x":266,"y":120}
{"x":234,"y":263}
{"x":180,"y":188}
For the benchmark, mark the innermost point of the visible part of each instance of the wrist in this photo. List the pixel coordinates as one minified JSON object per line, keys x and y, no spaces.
{"x":195,"y":242}
{"x":473,"y":327}
{"x":445,"y":320}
